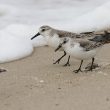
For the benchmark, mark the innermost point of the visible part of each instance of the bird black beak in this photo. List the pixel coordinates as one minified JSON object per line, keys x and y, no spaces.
{"x":35,"y":36}
{"x":58,"y":48}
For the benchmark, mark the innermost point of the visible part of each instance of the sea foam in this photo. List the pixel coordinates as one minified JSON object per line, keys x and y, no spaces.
{"x":20,"y":21}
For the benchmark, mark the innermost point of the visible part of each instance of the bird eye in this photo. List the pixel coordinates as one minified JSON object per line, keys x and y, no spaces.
{"x":43,"y":30}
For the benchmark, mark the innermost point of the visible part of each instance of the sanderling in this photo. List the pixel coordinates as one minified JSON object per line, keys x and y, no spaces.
{"x":53,"y":37}
{"x":82,"y":49}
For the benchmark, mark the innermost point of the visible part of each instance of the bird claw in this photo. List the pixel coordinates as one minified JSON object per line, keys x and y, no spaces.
{"x":58,"y":61}
{"x":67,"y":64}
{"x":76,"y":71}
{"x":88,"y":68}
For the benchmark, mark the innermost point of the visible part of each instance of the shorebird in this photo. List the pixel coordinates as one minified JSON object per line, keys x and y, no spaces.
{"x":83,"y":50}
{"x":53,"y":37}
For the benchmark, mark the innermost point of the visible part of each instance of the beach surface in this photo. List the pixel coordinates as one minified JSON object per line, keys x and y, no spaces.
{"x":34,"y":83}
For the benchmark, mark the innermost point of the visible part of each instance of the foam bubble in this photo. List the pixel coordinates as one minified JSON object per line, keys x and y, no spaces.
{"x":15,"y":42}
{"x":95,"y":20}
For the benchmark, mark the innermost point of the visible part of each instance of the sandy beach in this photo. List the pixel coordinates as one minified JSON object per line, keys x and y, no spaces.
{"x":34,"y":83}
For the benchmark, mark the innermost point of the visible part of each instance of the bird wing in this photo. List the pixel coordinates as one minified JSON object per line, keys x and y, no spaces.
{"x":66,"y":34}
{"x":88,"y":45}
{"x":62,"y":34}
{"x":87,"y":32}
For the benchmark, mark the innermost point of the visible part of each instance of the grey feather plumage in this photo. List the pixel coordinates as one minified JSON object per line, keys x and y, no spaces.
{"x":90,"y":45}
{"x":62,"y":34}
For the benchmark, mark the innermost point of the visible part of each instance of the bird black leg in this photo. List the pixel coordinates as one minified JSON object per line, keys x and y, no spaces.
{"x":79,"y":69}
{"x":68,"y":64}
{"x":60,"y":58}
{"x":91,"y":68}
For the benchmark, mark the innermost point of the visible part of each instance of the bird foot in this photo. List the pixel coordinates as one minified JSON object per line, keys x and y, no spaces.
{"x":88,"y":68}
{"x":77,"y":71}
{"x":67,"y":64}
{"x":58,"y":61}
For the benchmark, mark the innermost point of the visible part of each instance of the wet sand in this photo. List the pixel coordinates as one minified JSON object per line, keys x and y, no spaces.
{"x":34,"y":83}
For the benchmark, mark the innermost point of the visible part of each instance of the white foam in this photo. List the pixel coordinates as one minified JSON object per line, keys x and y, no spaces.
{"x":26,"y":17}
{"x":15,"y":42}
{"x":95,"y":20}
{"x":26,"y":32}
{"x":7,"y":9}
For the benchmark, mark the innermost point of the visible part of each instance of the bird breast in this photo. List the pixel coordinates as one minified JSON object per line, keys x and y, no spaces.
{"x":53,"y":41}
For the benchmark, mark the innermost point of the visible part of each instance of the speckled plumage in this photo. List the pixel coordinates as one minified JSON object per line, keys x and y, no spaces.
{"x":62,"y":33}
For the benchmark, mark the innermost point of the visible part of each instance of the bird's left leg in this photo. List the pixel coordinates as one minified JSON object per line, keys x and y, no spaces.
{"x":60,"y":58}
{"x":68,"y":62}
{"x":79,"y":69}
{"x":91,"y":68}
